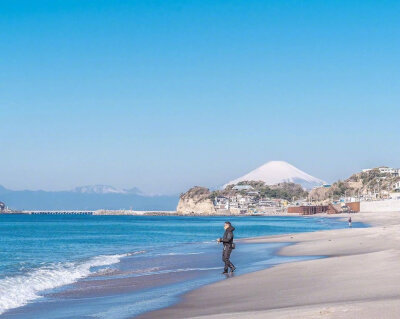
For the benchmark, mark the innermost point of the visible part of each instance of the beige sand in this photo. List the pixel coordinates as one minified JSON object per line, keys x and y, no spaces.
{"x":361,"y":279}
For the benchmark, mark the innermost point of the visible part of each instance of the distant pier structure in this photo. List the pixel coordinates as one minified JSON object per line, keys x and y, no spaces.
{"x":58,"y":212}
{"x":93,"y":212}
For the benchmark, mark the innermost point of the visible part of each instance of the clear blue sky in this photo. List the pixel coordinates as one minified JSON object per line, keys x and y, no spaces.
{"x":164,"y":95}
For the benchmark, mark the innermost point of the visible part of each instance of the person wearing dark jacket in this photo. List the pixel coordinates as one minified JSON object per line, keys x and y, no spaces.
{"x":227,"y":241}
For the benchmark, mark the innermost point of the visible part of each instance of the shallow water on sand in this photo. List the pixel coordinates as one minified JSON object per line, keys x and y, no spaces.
{"x":122,"y":266}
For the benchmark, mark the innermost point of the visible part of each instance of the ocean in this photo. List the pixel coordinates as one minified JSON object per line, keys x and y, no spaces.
{"x":116,"y":267}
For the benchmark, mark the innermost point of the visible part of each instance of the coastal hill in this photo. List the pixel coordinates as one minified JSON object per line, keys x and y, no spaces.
{"x":277,"y":172}
{"x":381,"y":180}
{"x":201,"y":201}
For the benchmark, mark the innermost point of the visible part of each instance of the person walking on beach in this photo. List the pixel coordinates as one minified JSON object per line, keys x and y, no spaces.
{"x":350,"y":226}
{"x":228,"y":244}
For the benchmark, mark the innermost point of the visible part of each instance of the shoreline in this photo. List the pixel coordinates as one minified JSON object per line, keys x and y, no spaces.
{"x":152,"y":272}
{"x":359,"y":278}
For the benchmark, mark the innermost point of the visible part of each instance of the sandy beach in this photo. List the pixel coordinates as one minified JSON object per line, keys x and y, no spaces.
{"x":360,"y":279}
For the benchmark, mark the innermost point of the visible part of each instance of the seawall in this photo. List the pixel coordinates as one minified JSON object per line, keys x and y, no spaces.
{"x":380,"y":206}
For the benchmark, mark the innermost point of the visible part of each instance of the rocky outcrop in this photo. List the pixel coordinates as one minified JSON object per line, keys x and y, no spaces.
{"x":2,"y":207}
{"x":196,"y":201}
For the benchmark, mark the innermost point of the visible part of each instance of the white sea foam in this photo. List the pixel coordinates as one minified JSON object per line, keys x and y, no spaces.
{"x":155,"y":271}
{"x":178,"y":254}
{"x":136,"y":253}
{"x":17,"y":291}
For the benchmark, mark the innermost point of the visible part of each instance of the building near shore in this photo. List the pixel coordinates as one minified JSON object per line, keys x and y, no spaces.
{"x":315,"y":209}
{"x":249,"y":203}
{"x":380,"y":206}
{"x":384,"y":170}
{"x":307,"y":210}
{"x":243,"y":187}
{"x":221,"y":202}
{"x":5,"y":210}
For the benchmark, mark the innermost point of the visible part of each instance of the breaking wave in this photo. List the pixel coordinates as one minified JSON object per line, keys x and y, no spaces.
{"x":17,"y":291}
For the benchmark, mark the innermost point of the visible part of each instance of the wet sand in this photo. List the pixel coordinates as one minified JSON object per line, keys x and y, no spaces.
{"x":360,"y":279}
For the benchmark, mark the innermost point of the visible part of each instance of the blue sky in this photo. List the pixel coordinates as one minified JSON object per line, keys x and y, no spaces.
{"x":164,"y":95}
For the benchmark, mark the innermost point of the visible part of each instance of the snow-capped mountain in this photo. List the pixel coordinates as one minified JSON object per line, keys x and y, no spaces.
{"x":104,"y":189}
{"x":276,"y":172}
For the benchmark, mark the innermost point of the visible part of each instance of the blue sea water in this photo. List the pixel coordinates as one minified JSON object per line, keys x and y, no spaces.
{"x":70,"y":266}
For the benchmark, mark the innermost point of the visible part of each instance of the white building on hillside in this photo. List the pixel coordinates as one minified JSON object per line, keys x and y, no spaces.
{"x":243,"y":188}
{"x":221,"y":202}
{"x":385,"y":170}
{"x":389,"y":170}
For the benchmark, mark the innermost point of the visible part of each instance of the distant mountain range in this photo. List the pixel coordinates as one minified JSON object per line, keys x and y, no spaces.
{"x":105,"y":189}
{"x":276,"y":172}
{"x":90,"y":197}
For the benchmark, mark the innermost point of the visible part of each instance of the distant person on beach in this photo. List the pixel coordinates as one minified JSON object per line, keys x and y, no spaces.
{"x":228,"y":244}
{"x":350,"y":222}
